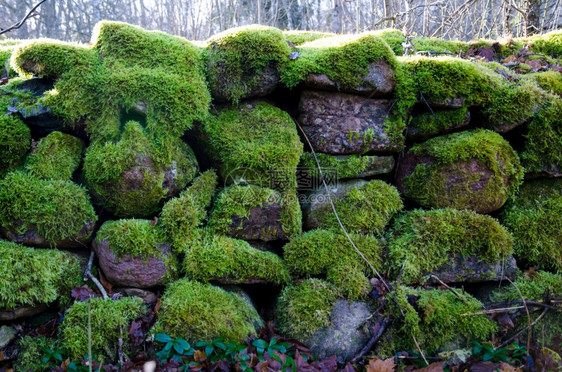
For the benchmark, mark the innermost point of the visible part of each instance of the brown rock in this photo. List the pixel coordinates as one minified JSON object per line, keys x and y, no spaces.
{"x":33,"y":239}
{"x":148,"y":297}
{"x":450,"y":103}
{"x":22,"y":312}
{"x":338,"y":123}
{"x":265,"y":222}
{"x":442,"y":122}
{"x":471,"y":269}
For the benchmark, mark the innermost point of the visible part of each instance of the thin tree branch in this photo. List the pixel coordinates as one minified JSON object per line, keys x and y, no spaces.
{"x":23,"y":20}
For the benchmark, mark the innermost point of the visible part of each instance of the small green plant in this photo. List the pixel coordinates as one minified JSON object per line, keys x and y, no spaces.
{"x":174,"y":348}
{"x":511,"y":353}
{"x":52,"y":357}
{"x":263,"y":346}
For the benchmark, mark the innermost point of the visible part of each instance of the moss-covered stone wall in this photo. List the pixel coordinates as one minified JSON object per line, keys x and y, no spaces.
{"x":192,"y":168}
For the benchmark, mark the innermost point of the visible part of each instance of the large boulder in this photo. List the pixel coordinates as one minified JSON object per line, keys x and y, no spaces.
{"x":475,"y":170}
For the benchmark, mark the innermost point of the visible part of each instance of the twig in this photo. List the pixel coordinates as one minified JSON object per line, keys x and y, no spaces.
{"x":379,"y":330}
{"x":23,"y":20}
{"x":529,"y":303}
{"x":88,"y":275}
{"x":509,"y":340}
{"x":528,"y":315}
{"x":494,"y":311}
{"x":449,"y":288}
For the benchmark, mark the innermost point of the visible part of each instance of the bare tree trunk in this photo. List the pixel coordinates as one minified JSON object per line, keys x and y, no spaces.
{"x":533,"y":17}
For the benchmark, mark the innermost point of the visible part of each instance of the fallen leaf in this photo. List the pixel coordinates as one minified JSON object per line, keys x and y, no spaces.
{"x":433,"y":367}
{"x":378,"y":365}
{"x":535,"y":64}
{"x":136,"y":333}
{"x":510,"y":59}
{"x":83,"y":293}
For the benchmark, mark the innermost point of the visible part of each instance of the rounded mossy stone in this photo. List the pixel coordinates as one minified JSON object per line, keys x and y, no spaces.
{"x":298,"y":37}
{"x":253,"y":212}
{"x":56,"y":157}
{"x":202,"y":312}
{"x":232,"y":261}
{"x":475,"y":170}
{"x":110,"y":322}
{"x":435,"y":318}
{"x":133,"y":176}
{"x":543,"y":145}
{"x":182,"y":217}
{"x":366,"y":209}
{"x":534,"y":216}
{"x":36,"y":276}
{"x":421,"y":241}
{"x":238,"y":58}
{"x":57,"y":210}
{"x":305,"y":308}
{"x":15,"y":142}
{"x":31,"y":351}
{"x":256,"y":143}
{"x":322,"y":252}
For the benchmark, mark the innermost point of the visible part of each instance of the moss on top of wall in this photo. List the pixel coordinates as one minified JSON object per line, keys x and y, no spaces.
{"x":298,"y":37}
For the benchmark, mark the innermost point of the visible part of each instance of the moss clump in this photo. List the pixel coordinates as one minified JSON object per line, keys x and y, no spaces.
{"x":15,"y":141}
{"x":298,"y":37}
{"x":57,"y":210}
{"x":393,"y":37}
{"x":110,"y":321}
{"x":347,"y":166}
{"x":305,"y":308}
{"x":429,"y":124}
{"x":126,"y":67}
{"x":56,"y":157}
{"x":182,"y":217}
{"x":202,"y":312}
{"x":366,"y":209}
{"x":429,"y":184}
{"x":107,"y":166}
{"x":224,"y":259}
{"x":421,"y":241}
{"x":35,"y":276}
{"x":435,"y":318}
{"x":257,"y":142}
{"x":534,"y":216}
{"x":237,"y":57}
{"x":31,"y":353}
{"x":549,"y":81}
{"x":534,"y":287}
{"x":238,"y":201}
{"x":549,"y":43}
{"x":543,"y":145}
{"x":432,"y":44}
{"x":320,"y":252}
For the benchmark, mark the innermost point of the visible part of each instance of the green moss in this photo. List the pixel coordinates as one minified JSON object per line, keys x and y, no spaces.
{"x":57,"y":210}
{"x":535,"y":287}
{"x":432,"y":44}
{"x":320,"y":252}
{"x":435,"y":318}
{"x":543,"y":145}
{"x":305,"y":308}
{"x":430,"y":124}
{"x":549,"y":81}
{"x":215,"y":257}
{"x":393,"y":37}
{"x":421,"y":241}
{"x":534,"y":216}
{"x":110,"y":321}
{"x":366,"y":209}
{"x":106,"y":162}
{"x":182,"y":217}
{"x":202,"y":312}
{"x":298,"y":37}
{"x":31,"y":353}
{"x":257,"y":142}
{"x":5,"y":56}
{"x":352,"y":166}
{"x":36,"y":276}
{"x":15,"y":141}
{"x":56,"y":157}
{"x":429,"y":185}
{"x":240,"y":200}
{"x":237,"y":57}
{"x":549,"y":43}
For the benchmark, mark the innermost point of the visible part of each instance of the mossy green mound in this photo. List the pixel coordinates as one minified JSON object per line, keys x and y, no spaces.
{"x":232,"y":261}
{"x":110,"y":322}
{"x":534,"y":216}
{"x":133,"y":176}
{"x":237,"y":58}
{"x":298,"y":37}
{"x":56,"y":210}
{"x":435,"y":318}
{"x":365,"y":209}
{"x":421,"y":241}
{"x":182,"y":217}
{"x":127,"y":71}
{"x":549,"y":81}
{"x":322,"y":252}
{"x":305,"y":308}
{"x":56,"y":157}
{"x":15,"y":141}
{"x":233,"y":207}
{"x":476,"y":169}
{"x":31,"y":351}
{"x":543,"y":148}
{"x":432,"y":44}
{"x":549,"y":43}
{"x":393,"y":37}
{"x":257,"y":143}
{"x":36,"y":276}
{"x":202,"y":312}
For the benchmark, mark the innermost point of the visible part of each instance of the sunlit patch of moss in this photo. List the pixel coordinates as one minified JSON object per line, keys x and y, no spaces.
{"x":534,"y":216}
{"x":432,"y":44}
{"x":366,"y":209}
{"x":182,"y":217}
{"x":322,"y":252}
{"x":6,"y":48}
{"x":543,"y":147}
{"x":36,"y":276}
{"x":393,"y":37}
{"x":110,"y":322}
{"x":257,"y":142}
{"x":430,"y":124}
{"x":237,"y":57}
{"x":31,"y":351}
{"x":216,"y":257}
{"x":15,"y":142}
{"x":240,"y":200}
{"x":305,"y":308}
{"x":429,"y":184}
{"x":56,"y":157}
{"x":300,"y":37}
{"x":421,"y":241}
{"x":549,"y":43}
{"x":202,"y":312}
{"x":549,"y":81}
{"x":57,"y":210}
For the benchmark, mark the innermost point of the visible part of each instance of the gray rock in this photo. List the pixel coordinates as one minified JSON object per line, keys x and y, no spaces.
{"x":471,"y":269}
{"x":7,"y":334}
{"x":22,"y":312}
